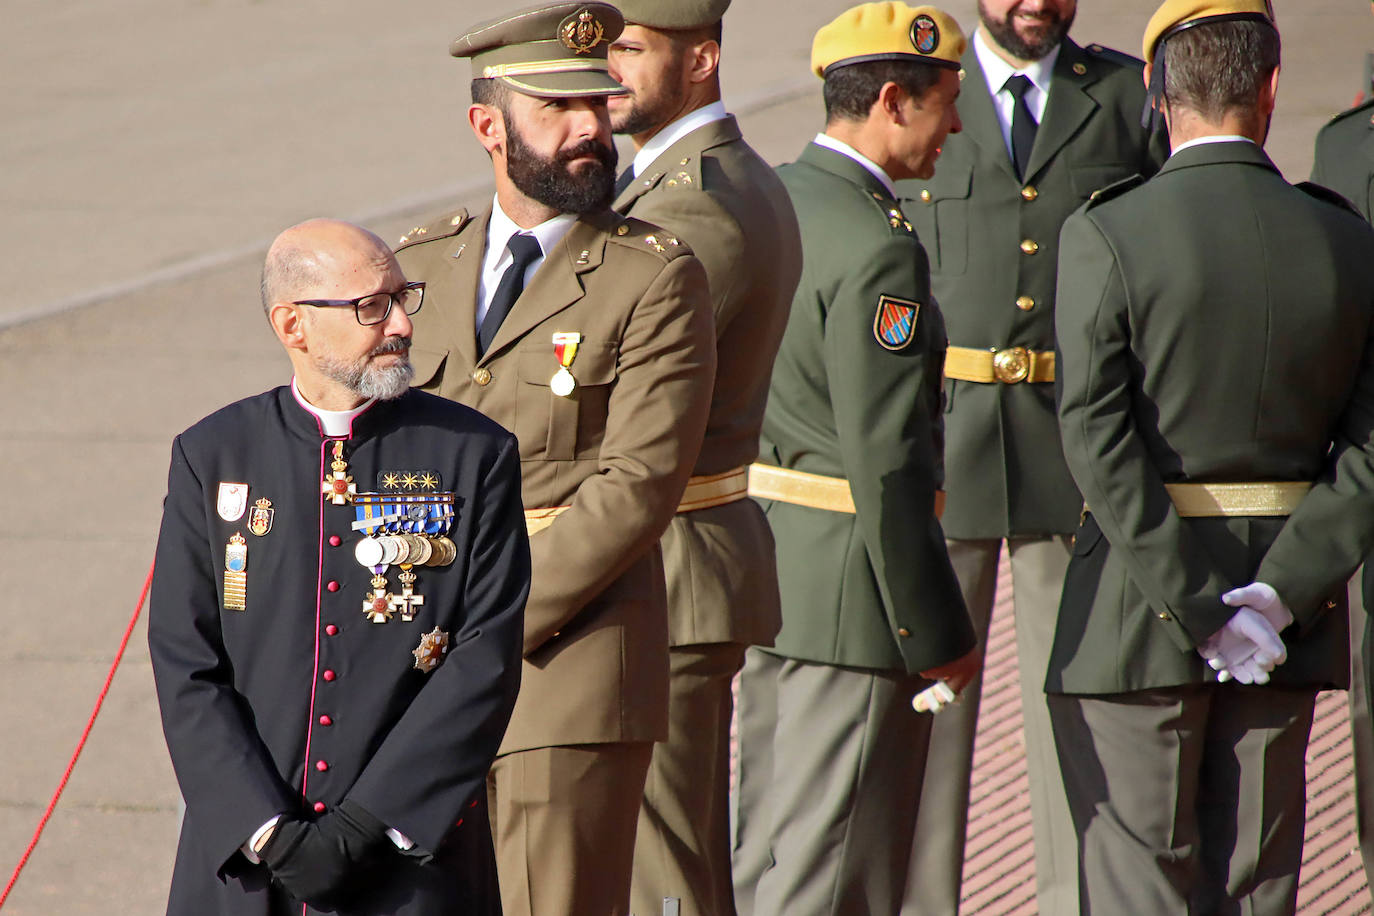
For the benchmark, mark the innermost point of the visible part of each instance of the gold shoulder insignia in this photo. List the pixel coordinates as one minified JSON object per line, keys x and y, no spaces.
{"x":446,"y":226}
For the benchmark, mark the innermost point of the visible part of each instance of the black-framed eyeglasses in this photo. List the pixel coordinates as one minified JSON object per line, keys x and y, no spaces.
{"x":375,"y":307}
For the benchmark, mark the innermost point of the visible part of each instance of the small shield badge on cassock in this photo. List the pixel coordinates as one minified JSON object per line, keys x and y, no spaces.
{"x":232,"y":500}
{"x":895,"y":324}
{"x":260,"y":519}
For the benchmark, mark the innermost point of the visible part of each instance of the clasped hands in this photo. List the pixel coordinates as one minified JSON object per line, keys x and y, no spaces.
{"x":317,"y":861}
{"x":1248,"y":647}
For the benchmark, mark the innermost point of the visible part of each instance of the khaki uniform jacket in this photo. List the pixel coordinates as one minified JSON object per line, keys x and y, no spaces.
{"x":715,"y":193}
{"x":873,"y":589}
{"x":617,"y":451}
{"x":1005,"y":469}
{"x":1215,"y":326}
{"x":1345,"y":157}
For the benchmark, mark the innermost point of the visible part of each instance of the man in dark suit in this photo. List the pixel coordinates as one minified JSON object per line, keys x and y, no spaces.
{"x":694,"y":175}
{"x":830,"y":748}
{"x":1046,"y":123}
{"x":589,"y":333}
{"x":336,"y":613}
{"x":1344,"y":162}
{"x":1217,"y":412}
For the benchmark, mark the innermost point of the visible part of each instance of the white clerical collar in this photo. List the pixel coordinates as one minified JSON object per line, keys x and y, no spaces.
{"x":333,"y":423}
{"x":845,"y":149}
{"x":997,"y":71}
{"x":1219,"y":138}
{"x":675,"y":132}
{"x":549,"y":233}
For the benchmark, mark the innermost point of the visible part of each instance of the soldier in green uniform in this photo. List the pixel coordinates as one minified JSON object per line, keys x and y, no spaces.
{"x":1217,"y":412}
{"x":1344,"y":162}
{"x":831,"y":749}
{"x":694,"y":175}
{"x":1046,"y":123}
{"x":589,"y":335}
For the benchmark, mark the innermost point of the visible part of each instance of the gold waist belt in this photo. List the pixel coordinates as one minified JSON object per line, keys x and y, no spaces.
{"x":712,"y":490}
{"x":1009,"y":366}
{"x":811,"y":490}
{"x":1215,"y":500}
{"x":701,"y":493}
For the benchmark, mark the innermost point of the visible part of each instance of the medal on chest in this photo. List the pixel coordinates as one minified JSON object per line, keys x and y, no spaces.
{"x":405,"y":524}
{"x":565,"y":351}
{"x":338,"y":486}
{"x":235,"y":573}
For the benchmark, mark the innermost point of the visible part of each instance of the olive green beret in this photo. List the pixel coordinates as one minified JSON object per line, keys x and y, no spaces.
{"x":889,"y":30}
{"x":553,"y":50}
{"x":1176,"y":15}
{"x":673,"y":14}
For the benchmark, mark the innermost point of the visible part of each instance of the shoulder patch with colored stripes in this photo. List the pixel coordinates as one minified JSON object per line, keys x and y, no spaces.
{"x":894,"y":326}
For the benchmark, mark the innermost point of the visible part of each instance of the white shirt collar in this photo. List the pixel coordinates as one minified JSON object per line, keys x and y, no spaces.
{"x":497,"y":257}
{"x":333,"y":423}
{"x":997,"y":71}
{"x":845,"y":149}
{"x":1219,"y":138}
{"x":674,"y":132}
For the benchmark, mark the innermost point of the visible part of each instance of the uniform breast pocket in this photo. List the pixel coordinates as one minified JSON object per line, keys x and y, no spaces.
{"x":559,"y":428}
{"x":938,"y":208}
{"x":428,"y":365}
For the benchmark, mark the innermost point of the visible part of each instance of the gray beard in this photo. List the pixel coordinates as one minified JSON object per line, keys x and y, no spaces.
{"x":384,"y":383}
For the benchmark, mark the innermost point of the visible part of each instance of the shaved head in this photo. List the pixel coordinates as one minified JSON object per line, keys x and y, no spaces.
{"x":306,"y":256}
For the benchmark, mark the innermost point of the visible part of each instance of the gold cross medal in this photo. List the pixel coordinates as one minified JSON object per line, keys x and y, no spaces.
{"x":408,"y":601}
{"x":337,"y":486}
{"x":565,"y":349}
{"x":381,"y":604}
{"x":235,"y":573}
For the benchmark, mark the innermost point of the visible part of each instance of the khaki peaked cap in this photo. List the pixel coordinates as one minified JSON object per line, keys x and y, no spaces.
{"x":558,"y":49}
{"x":673,"y":14}
{"x":889,"y":30}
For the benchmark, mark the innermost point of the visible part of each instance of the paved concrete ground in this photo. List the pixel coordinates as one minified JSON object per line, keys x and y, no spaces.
{"x":150,"y":149}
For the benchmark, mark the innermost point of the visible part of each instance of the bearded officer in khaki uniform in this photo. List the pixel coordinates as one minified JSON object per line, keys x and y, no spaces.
{"x":1220,"y":424}
{"x":1046,"y":123}
{"x":850,"y":468}
{"x":589,"y":335}
{"x":1344,"y":162}
{"x":694,"y":175}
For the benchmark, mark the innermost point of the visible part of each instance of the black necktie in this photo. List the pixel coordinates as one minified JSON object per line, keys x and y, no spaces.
{"x":524,"y":249}
{"x":624,"y":180}
{"x":1023,"y":124}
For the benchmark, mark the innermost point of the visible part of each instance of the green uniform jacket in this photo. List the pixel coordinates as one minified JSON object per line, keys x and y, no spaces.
{"x":1345,"y":157}
{"x":874,"y":589}
{"x":715,"y":193}
{"x":1214,"y":326}
{"x":1005,"y":469}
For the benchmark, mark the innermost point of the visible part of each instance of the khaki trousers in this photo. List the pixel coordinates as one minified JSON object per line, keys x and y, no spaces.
{"x":841,"y":803}
{"x":937,"y":855}
{"x":1361,"y":729}
{"x":563,"y":823}
{"x":682,"y":846}
{"x":1189,"y":801}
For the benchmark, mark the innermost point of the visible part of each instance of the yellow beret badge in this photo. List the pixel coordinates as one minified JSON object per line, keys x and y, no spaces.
{"x":925,"y":34}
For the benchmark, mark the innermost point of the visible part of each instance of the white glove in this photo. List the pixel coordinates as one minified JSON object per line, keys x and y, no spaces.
{"x":934,"y":698}
{"x":1261,"y":597}
{"x":1247,"y":648}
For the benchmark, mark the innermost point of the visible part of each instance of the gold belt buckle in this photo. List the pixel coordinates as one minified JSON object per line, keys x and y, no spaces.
{"x":1011,"y":365}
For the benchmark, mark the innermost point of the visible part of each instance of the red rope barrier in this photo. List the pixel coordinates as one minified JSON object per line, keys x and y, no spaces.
{"x":100,"y":700}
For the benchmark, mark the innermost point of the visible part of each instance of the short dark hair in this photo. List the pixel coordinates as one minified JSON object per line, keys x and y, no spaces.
{"x":1217,"y":68}
{"x":850,"y":91}
{"x":681,"y":38}
{"x":491,"y":92}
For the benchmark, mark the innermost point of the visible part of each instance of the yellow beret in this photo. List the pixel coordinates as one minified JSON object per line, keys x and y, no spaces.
{"x":673,"y":14}
{"x":890,"y":30}
{"x":558,"y":49}
{"x":1176,"y":15}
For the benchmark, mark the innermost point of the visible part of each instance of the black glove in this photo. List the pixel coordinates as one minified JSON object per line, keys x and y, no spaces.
{"x":316,"y":861}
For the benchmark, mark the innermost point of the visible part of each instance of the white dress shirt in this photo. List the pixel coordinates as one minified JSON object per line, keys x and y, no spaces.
{"x":497,"y":257}
{"x":675,"y":132}
{"x":1219,"y":138}
{"x":997,"y":71}
{"x":845,"y":149}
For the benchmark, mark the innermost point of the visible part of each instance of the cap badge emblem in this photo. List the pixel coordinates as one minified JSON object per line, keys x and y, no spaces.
{"x":581,"y":32}
{"x":925,"y":34}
